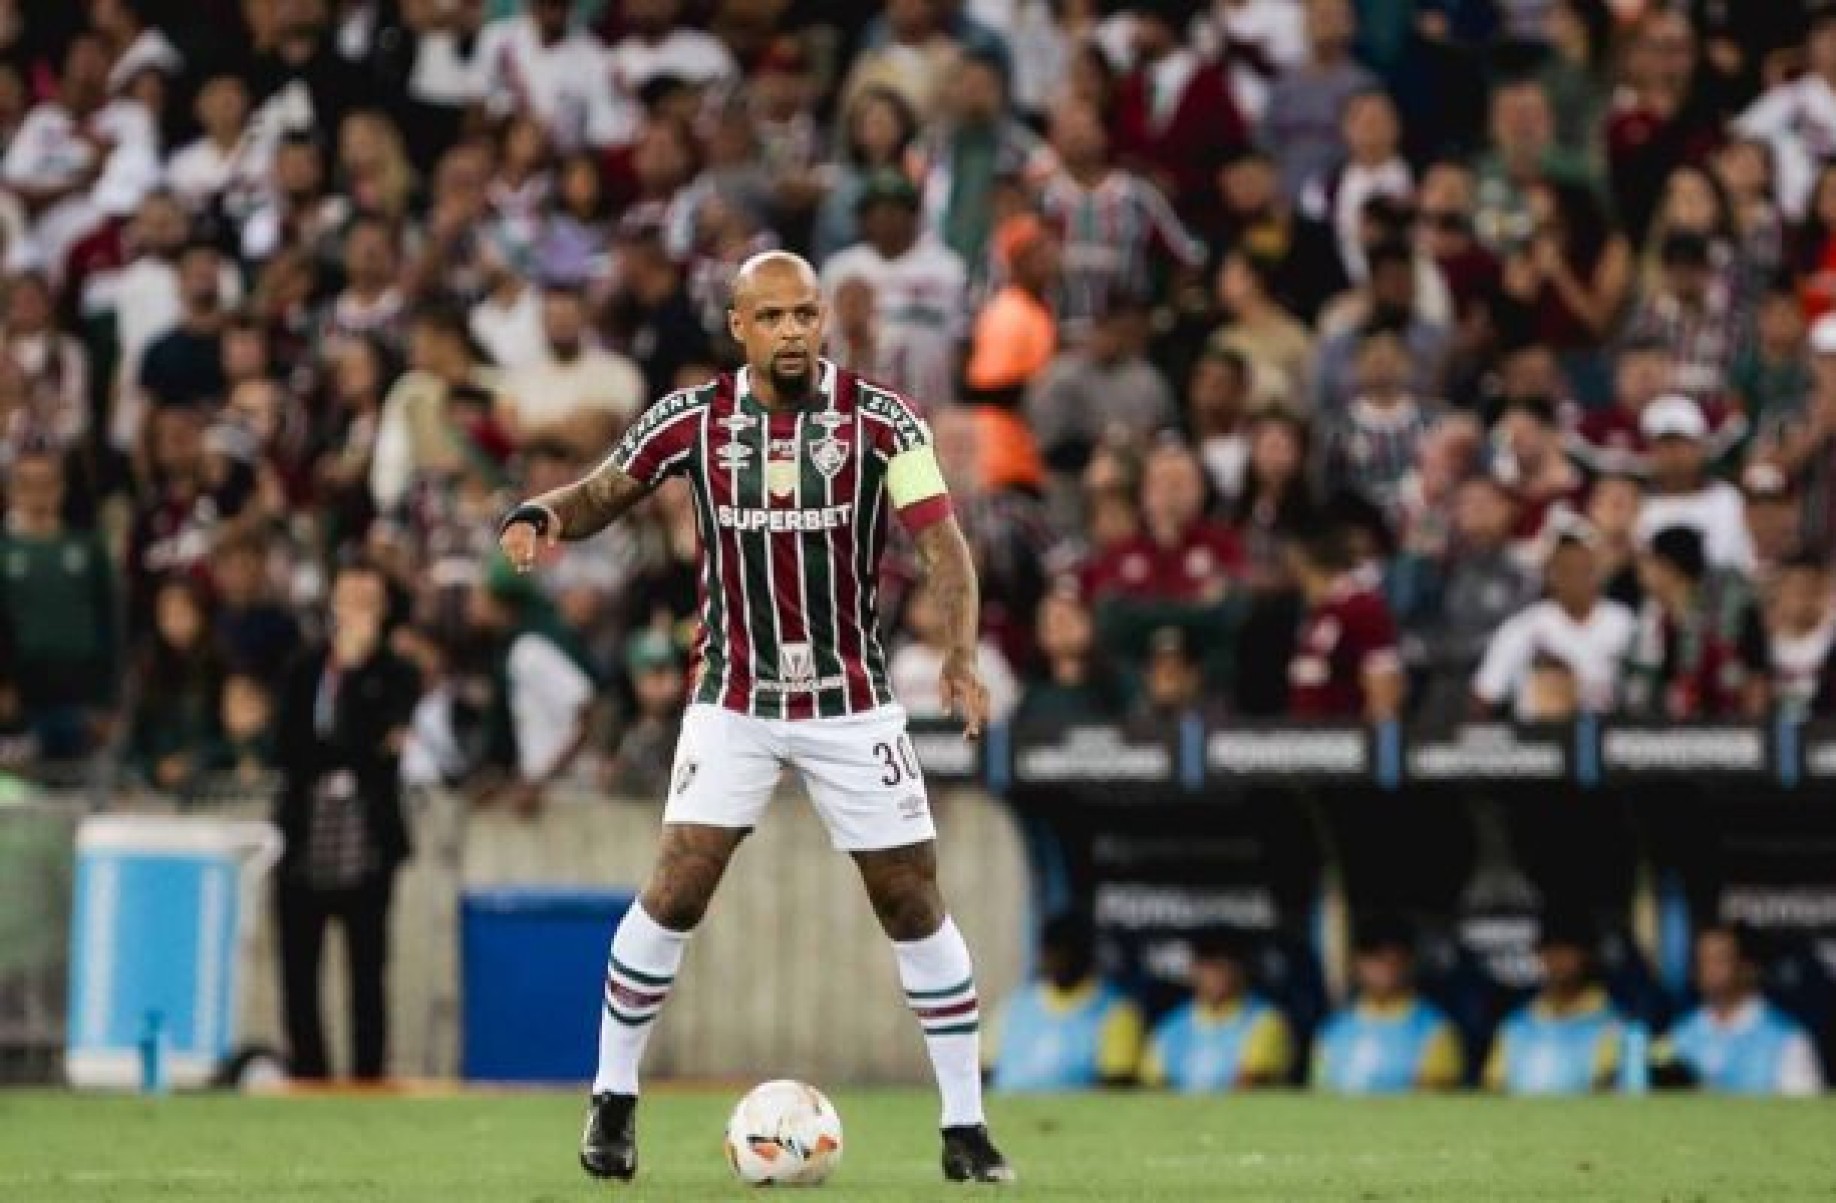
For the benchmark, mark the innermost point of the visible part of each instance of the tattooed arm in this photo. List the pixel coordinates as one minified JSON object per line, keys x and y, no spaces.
{"x":950,"y":578}
{"x":577,"y":511}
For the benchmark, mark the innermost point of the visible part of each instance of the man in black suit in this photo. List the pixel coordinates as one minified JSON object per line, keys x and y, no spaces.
{"x":344,"y":710}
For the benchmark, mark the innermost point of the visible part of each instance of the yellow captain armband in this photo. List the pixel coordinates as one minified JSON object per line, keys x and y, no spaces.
{"x":916,"y":485}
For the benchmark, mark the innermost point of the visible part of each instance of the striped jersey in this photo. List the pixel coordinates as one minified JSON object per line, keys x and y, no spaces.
{"x":792,"y":510}
{"x":1112,"y":232}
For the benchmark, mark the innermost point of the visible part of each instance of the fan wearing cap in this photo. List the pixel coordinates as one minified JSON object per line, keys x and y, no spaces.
{"x":1797,"y":117}
{"x":1174,"y":119}
{"x":1389,"y":1040}
{"x":1566,"y":1040}
{"x":1226,"y":1037}
{"x":1700,"y":649}
{"x":920,"y":289}
{"x":1681,"y":493}
{"x":1573,"y":624}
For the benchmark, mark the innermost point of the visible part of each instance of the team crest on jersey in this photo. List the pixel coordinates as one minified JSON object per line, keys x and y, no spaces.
{"x":828,"y":455}
{"x":796,"y":662}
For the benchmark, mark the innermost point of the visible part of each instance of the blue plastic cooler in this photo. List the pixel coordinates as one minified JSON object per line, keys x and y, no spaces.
{"x":160,"y":909}
{"x":533,"y":963}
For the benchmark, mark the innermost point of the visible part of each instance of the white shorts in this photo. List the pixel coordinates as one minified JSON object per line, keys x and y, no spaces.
{"x":859,"y":770}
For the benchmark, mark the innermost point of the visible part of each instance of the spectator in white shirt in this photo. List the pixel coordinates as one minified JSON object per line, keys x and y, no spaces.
{"x":1373,"y":167}
{"x":917,"y":666}
{"x":580,"y":394}
{"x":920,"y":290}
{"x":1681,"y":493}
{"x":79,"y":156}
{"x":224,"y":160}
{"x":1572,"y":625}
{"x":536,"y":64}
{"x":658,"y":44}
{"x":1797,"y":118}
{"x":134,"y":46}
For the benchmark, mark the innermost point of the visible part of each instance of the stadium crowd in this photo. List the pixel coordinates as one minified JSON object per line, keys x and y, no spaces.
{"x":1427,"y":358}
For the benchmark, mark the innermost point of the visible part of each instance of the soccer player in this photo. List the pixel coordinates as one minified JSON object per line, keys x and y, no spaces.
{"x":795,"y":465}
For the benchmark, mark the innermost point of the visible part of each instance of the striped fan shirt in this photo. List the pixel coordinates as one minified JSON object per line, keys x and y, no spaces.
{"x":1112,"y":232}
{"x":792,"y":508}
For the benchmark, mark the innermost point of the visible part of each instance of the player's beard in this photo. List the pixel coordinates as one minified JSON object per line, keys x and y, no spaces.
{"x":793,"y":388}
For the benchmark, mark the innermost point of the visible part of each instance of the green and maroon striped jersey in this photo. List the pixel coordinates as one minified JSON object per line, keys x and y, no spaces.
{"x":792,"y":509}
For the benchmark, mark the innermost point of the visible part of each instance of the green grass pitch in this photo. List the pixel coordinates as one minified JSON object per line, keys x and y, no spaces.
{"x":520,"y":1149}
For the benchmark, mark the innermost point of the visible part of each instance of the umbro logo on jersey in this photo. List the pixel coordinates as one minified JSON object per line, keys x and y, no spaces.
{"x":733,"y":455}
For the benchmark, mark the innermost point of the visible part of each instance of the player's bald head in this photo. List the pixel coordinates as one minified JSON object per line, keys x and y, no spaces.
{"x":771,"y":269}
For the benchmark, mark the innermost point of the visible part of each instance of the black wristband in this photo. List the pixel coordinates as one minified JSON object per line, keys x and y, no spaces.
{"x":538,"y":516}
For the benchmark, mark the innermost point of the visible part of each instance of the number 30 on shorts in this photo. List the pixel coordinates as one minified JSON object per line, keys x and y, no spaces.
{"x":900,"y":762}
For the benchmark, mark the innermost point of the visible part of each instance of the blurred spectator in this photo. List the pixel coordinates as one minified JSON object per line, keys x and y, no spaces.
{"x":917,"y":664}
{"x":542,"y":688}
{"x":1118,"y":228}
{"x":1798,"y":117}
{"x":436,"y":415}
{"x":1610,"y":439}
{"x":1775,"y":520}
{"x":1345,"y":664}
{"x":1075,"y":684}
{"x":1572,"y":626}
{"x":58,"y":602}
{"x":1736,"y":1042}
{"x":1303,"y":257}
{"x":1372,"y":442}
{"x":1661,"y":116}
{"x":176,"y":679}
{"x":1172,"y":681}
{"x":184,"y":366}
{"x":1689,"y":312}
{"x":1386,"y":301}
{"x":1700,"y":648}
{"x":658,"y":43}
{"x":1218,"y":394}
{"x":1570,"y":272}
{"x":1482,"y":583}
{"x":1389,"y":1040}
{"x":1226,"y":1037}
{"x":1681,"y":492}
{"x":536,"y":64}
{"x":1528,"y":459}
{"x":1016,"y":332}
{"x":1801,"y":633}
{"x":1107,"y":385}
{"x":1804,"y":444}
{"x":1576,"y":75}
{"x":1277,"y":496}
{"x":372,"y":303}
{"x":979,"y":143}
{"x":878,"y":132}
{"x":1069,"y":1029}
{"x":1772,"y":377}
{"x":1174,"y":119}
{"x":1301,"y":125}
{"x":1523,"y":157}
{"x":919,"y":291}
{"x":641,"y":761}
{"x":341,"y":719}
{"x":244,"y":750}
{"x":184,"y":503}
{"x":80,"y":156}
{"x":1372,"y":167}
{"x":299,"y":208}
{"x":1566,"y":1040}
{"x":254,"y":630}
{"x":1273,"y":341}
{"x":655,"y":323}
{"x":53,"y":366}
{"x":913,"y":63}
{"x":580,"y":393}
{"x":1180,"y":570}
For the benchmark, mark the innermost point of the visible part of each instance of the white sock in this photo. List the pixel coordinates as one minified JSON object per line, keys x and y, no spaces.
{"x":939,"y":986}
{"x":639,"y":973}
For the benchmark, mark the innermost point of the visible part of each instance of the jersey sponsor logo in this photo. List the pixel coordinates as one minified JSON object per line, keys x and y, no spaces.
{"x":807,"y":685}
{"x":828,"y":455}
{"x":742,"y":518}
{"x":796,"y":662}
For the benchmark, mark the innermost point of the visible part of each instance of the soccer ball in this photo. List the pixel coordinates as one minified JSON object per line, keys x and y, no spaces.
{"x":784,"y":1134}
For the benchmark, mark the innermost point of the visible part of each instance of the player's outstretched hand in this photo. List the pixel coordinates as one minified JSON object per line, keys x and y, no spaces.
{"x":521,"y":544}
{"x":964,"y":695}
